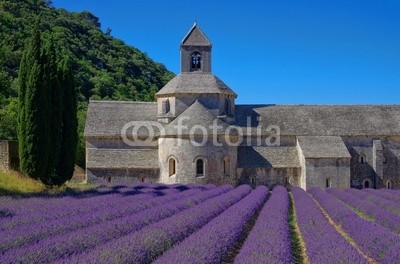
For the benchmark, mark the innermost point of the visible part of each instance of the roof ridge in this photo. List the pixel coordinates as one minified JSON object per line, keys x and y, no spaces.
{"x":319,"y":105}
{"x":193,"y":28}
{"x":121,"y":102}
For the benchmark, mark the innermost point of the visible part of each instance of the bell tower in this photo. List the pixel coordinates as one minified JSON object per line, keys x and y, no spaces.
{"x":195,"y":51}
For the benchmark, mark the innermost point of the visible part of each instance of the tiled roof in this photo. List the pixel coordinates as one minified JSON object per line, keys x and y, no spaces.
{"x":195,"y":37}
{"x":107,"y":118}
{"x":268,"y":157}
{"x":196,"y":115}
{"x":323,"y":147}
{"x":195,"y":83}
{"x":324,"y":120}
{"x":126,"y":159}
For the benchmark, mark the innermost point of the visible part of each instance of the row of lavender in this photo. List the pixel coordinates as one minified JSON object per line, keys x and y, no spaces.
{"x":324,"y":244}
{"x":58,"y":242}
{"x":40,"y":209}
{"x":201,"y":225}
{"x":362,"y":227}
{"x":371,"y":207}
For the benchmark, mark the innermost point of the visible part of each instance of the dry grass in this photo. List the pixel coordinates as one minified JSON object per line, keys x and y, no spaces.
{"x":15,"y":183}
{"x":298,"y":245}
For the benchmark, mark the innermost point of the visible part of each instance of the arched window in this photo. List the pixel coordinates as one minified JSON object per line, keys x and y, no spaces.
{"x":142,"y":178}
{"x":367,"y":183}
{"x":226,"y":166}
{"x":253,"y":180}
{"x":362,"y":159}
{"x":200,"y":167}
{"x":327,"y":183}
{"x":389,"y":184}
{"x":172,"y":166}
{"x":196,"y":61}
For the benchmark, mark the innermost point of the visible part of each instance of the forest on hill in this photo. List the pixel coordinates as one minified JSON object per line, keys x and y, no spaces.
{"x":104,"y":67}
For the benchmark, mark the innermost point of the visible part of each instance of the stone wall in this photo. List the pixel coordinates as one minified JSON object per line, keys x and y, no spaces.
{"x":391,"y":162}
{"x":122,"y":175}
{"x":269,"y":176}
{"x":186,"y":58}
{"x":302,"y":160}
{"x":186,"y":154}
{"x":335,"y":170}
{"x":9,"y":159}
{"x":114,"y":143}
{"x":381,"y":164}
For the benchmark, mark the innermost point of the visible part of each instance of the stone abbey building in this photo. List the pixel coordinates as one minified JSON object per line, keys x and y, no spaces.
{"x":195,"y":133}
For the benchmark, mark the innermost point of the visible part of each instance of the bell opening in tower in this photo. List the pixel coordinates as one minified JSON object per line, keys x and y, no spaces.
{"x":196,"y":61}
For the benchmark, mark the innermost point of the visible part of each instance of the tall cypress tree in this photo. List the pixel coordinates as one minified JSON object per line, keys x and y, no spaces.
{"x":34,"y":109}
{"x":69,"y":141}
{"x":52,"y":83}
{"x":22,"y":80}
{"x":47,"y":121}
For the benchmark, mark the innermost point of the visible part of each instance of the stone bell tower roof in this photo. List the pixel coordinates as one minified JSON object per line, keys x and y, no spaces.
{"x":195,"y":37}
{"x":195,"y":83}
{"x":196,"y":77}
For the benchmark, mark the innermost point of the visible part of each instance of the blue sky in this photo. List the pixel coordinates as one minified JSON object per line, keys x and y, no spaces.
{"x":275,"y":52}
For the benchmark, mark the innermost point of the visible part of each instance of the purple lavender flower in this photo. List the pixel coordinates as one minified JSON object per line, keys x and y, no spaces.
{"x":148,"y":243}
{"x":323,"y":243}
{"x":390,"y":195}
{"x":269,"y":240}
{"x":377,"y":213}
{"x":53,"y":248}
{"x":212,"y":242}
{"x":388,"y":205}
{"x":375,"y":241}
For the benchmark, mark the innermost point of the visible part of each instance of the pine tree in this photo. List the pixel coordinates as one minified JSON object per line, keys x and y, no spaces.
{"x":34,"y":110}
{"x":69,"y":141}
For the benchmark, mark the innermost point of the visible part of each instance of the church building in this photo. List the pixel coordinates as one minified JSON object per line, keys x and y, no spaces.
{"x":196,"y":133}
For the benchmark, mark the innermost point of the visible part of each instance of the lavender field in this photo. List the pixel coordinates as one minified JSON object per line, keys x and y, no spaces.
{"x":146,"y":223}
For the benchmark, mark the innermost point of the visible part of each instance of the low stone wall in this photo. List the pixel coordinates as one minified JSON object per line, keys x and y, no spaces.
{"x":122,"y":175}
{"x":269,"y":176}
{"x":9,"y":159}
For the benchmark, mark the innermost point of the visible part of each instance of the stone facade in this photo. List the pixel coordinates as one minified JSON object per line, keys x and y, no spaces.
{"x":195,"y":133}
{"x":9,"y":159}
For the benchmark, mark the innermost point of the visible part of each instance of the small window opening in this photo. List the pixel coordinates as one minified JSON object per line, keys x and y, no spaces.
{"x":253,"y":180}
{"x":389,"y":185}
{"x":200,"y":167}
{"x":172,"y":166}
{"x":196,"y":61}
{"x":165,"y":106}
{"x":226,"y":166}
{"x":366,"y":184}
{"x":362,"y":159}
{"x":327,"y":183}
{"x":142,"y":178}
{"x":228,"y":107}
{"x":286,"y":180}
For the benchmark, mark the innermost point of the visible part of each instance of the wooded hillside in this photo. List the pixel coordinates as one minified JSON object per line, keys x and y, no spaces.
{"x":104,"y":67}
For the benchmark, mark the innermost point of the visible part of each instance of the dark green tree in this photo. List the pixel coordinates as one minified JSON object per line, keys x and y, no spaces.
{"x":47,"y":113}
{"x":34,"y":109}
{"x":69,"y":125}
{"x":52,"y":83}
